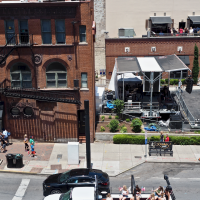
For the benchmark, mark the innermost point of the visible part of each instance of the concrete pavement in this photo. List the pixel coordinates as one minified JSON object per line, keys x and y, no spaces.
{"x":111,"y":158}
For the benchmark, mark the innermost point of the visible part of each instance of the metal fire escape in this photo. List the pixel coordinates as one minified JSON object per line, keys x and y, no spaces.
{"x":6,"y":89}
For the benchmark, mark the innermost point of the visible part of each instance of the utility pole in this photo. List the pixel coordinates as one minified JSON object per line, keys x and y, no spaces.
{"x":87,"y":133}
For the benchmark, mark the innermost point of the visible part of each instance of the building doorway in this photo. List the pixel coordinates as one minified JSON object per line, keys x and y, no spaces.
{"x":181,"y":25}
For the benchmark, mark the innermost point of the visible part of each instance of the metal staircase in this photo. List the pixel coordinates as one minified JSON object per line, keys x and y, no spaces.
{"x":15,"y":41}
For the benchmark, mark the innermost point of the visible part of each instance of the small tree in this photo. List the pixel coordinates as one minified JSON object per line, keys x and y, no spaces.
{"x":119,"y":106}
{"x":136,"y":124}
{"x":195,"y":69}
{"x":113,"y":125}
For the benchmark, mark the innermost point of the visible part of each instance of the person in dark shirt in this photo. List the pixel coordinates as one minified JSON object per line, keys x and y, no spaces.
{"x":161,"y":136}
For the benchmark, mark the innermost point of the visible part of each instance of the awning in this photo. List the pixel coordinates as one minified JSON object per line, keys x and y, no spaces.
{"x":185,"y":59}
{"x":127,"y":64}
{"x":195,"y":19}
{"x":171,"y":63}
{"x":149,"y":64}
{"x":161,"y":20}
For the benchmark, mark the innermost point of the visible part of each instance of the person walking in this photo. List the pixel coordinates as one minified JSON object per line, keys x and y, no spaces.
{"x":26,"y":143}
{"x":32,"y":140}
{"x":32,"y":153}
{"x":161,"y":136}
{"x":180,"y":85}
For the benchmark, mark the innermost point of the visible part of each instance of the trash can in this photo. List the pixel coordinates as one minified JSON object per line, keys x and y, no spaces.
{"x":18,"y":160}
{"x":9,"y":158}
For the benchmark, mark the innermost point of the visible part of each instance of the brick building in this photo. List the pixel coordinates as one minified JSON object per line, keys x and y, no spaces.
{"x":45,"y":46}
{"x":159,"y":46}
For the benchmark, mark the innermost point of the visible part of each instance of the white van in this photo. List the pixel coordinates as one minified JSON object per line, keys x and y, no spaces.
{"x":77,"y":193}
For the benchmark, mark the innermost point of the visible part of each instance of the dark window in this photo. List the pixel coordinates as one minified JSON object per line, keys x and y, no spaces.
{"x":85,"y":180}
{"x":82,"y":31}
{"x":60,"y":31}
{"x":46,"y":31}
{"x":28,"y":111}
{"x":20,"y":76}
{"x":177,"y":74}
{"x":84,"y":83}
{"x":56,"y":75}
{"x":72,"y":180}
{"x":14,"y":111}
{"x":23,"y":33}
{"x":10,"y":32}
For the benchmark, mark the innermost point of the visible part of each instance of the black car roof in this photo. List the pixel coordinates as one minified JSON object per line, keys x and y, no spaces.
{"x":84,"y":172}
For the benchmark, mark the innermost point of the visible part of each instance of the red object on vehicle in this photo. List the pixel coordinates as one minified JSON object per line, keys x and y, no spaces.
{"x":104,"y":183}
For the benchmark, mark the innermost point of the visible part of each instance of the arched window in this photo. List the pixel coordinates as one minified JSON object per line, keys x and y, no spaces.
{"x":20,"y":76}
{"x":56,"y":75}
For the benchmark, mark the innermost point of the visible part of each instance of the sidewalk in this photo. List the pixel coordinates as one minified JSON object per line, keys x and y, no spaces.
{"x":111,"y":158}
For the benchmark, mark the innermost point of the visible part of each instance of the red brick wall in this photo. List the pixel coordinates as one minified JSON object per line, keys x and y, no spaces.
{"x":54,"y":120}
{"x":142,"y":47}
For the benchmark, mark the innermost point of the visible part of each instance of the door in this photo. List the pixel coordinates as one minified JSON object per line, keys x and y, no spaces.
{"x":81,"y":122}
{"x":10,"y":32}
{"x":23,"y":33}
{"x":181,"y":25}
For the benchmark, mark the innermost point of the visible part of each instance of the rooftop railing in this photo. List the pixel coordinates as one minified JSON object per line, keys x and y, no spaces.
{"x":174,"y":34}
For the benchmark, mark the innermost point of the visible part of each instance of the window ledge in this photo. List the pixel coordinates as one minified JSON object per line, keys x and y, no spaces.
{"x":86,"y":89}
{"x":55,"y":45}
{"x":83,"y":43}
{"x":57,"y":89}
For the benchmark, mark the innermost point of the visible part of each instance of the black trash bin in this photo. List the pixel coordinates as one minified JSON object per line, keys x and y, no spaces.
{"x":9,"y":158}
{"x":18,"y":160}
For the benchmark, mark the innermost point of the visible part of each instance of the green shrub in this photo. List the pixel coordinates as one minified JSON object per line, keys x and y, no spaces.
{"x":116,"y":117}
{"x":128,"y":120}
{"x":140,"y":139}
{"x":195,"y":69}
{"x":102,"y":129}
{"x":103,"y":118}
{"x":119,"y":106}
{"x":171,"y":81}
{"x":176,"y":81}
{"x":123,"y":130}
{"x":113,"y":125}
{"x":162,"y":81}
{"x":183,"y":81}
{"x":166,"y":80}
{"x":110,"y":117}
{"x":136,"y":125}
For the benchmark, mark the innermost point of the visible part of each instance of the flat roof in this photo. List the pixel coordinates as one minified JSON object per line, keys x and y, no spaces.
{"x":127,"y":64}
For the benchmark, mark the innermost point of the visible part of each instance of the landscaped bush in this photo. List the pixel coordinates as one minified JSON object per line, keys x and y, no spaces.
{"x":103,"y":118}
{"x":140,"y":139}
{"x":113,"y":125}
{"x":110,"y":117}
{"x":176,"y":81}
{"x":128,"y":120}
{"x":183,"y":81}
{"x":102,"y":129}
{"x":123,"y":130}
{"x":171,"y":81}
{"x":136,"y":124}
{"x":162,"y":81}
{"x":116,"y":117}
{"x":166,"y":80}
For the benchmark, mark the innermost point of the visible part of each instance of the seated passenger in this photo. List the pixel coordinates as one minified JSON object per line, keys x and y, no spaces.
{"x":152,"y":197}
{"x":158,"y":191}
{"x":108,"y":197}
{"x":124,"y":192}
{"x":162,"y":196}
{"x":138,"y":193}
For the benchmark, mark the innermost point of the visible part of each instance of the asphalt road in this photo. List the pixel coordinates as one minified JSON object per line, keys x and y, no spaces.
{"x":184,"y":178}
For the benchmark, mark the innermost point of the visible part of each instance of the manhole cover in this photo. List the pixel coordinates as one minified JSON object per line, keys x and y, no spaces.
{"x":138,"y":156}
{"x":59,"y":156}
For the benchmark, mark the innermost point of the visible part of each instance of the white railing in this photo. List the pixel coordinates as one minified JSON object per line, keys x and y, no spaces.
{"x":132,"y":105}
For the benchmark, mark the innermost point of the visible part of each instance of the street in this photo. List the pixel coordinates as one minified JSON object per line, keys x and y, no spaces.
{"x":184,"y":178}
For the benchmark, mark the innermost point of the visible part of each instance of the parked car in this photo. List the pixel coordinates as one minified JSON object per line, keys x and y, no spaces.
{"x":63,"y":182}
{"x":78,"y":193}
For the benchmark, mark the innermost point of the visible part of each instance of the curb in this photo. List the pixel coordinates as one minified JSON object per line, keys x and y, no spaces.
{"x":17,"y":172}
{"x":129,"y":169}
{"x":198,"y":163}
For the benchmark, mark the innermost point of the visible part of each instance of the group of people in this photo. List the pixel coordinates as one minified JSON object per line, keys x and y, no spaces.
{"x":157,"y":194}
{"x":31,"y":151}
{"x":4,"y":140}
{"x":162,"y":139}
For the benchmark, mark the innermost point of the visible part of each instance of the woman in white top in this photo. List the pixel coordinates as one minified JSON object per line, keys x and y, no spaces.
{"x":191,"y":31}
{"x":124,"y":192}
{"x":108,"y":197}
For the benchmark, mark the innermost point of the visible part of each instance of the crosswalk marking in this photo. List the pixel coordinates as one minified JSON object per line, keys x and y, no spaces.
{"x":21,"y":190}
